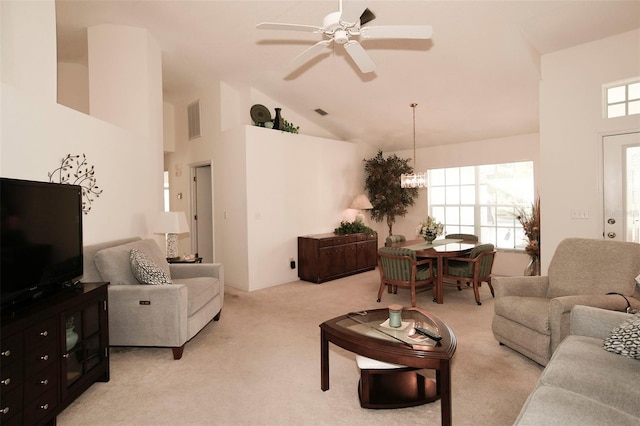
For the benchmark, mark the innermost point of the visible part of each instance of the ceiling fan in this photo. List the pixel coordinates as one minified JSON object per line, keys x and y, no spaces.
{"x":339,"y":28}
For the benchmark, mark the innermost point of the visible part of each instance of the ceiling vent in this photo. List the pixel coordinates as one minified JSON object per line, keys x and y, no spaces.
{"x":321,"y":111}
{"x":193,"y":117}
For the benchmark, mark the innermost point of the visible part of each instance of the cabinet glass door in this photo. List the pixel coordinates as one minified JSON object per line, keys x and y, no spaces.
{"x":73,"y":352}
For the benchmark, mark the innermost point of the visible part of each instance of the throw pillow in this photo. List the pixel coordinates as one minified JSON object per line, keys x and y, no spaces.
{"x":146,"y":271}
{"x":625,"y":338}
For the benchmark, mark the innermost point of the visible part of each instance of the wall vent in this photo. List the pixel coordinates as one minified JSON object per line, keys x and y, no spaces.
{"x":193,"y":117}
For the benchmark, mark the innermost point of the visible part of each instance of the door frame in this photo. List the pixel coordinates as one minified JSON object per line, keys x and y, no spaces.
{"x":193,"y":205}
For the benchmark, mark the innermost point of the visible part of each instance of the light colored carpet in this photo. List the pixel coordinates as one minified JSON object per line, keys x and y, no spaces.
{"x":260,"y":365}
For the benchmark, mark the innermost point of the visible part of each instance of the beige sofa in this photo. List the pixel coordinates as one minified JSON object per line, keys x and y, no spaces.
{"x":154,"y":315}
{"x":583,"y":384}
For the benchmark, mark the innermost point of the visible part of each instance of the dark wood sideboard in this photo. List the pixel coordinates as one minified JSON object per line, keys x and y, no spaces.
{"x":324,"y":257}
{"x":52,"y":351}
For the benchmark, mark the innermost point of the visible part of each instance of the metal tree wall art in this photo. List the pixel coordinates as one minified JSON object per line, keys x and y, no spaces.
{"x":74,"y":170}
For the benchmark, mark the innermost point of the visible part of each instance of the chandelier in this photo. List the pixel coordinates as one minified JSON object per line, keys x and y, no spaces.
{"x":414,"y":180}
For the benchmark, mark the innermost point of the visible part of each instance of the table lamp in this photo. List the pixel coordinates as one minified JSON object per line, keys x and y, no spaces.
{"x":171,"y":224}
{"x":361,"y":202}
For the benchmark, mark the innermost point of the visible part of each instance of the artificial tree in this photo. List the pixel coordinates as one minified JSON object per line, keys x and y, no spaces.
{"x":382,"y":184}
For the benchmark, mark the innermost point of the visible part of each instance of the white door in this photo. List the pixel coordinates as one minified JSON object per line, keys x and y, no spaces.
{"x":202,"y":220}
{"x":621,"y":187}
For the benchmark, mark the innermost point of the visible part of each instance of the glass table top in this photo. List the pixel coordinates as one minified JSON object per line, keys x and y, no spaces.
{"x":375,"y":324}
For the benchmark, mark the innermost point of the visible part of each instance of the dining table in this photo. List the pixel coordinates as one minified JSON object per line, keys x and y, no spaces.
{"x":439,"y":249}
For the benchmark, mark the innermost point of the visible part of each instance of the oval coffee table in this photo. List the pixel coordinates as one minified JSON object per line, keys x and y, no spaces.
{"x":367,"y":333}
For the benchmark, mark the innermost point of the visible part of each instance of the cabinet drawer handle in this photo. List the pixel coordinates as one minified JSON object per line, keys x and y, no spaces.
{"x":44,"y":357}
{"x":5,"y":410}
{"x":44,"y":406}
{"x":6,"y":381}
{"x":6,"y":353}
{"x":44,"y":382}
{"x":44,"y":333}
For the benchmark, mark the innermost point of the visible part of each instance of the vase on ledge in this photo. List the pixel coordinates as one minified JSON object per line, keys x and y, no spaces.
{"x":533,"y":268}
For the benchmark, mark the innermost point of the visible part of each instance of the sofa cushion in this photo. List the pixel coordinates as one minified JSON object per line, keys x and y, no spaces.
{"x":625,"y":339}
{"x":146,"y":271}
{"x":532,"y":312}
{"x":580,"y":365}
{"x":551,"y":405}
{"x":114,"y":265}
{"x":201,"y":290}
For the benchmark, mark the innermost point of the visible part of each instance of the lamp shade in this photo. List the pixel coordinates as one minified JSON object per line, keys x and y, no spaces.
{"x":361,"y":202}
{"x":171,"y":223}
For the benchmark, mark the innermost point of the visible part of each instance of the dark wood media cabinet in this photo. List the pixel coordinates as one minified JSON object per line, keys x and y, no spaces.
{"x":51,"y":352}
{"x":324,"y":257}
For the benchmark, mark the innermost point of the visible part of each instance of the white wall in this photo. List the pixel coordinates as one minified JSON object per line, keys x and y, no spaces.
{"x":73,"y":86}
{"x":296,"y":185}
{"x":36,"y":132}
{"x":571,"y":130}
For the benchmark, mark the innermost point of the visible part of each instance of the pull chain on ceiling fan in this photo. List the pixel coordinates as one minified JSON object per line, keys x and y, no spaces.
{"x":348,"y":22}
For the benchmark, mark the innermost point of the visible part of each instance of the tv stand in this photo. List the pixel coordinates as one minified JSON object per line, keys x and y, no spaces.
{"x":51,"y":352}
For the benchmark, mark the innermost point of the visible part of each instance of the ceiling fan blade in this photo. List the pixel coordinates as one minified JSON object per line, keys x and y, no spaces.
{"x":308,"y":54}
{"x":366,"y":17}
{"x":360,"y":56}
{"x":352,"y":10}
{"x":289,"y":27}
{"x":397,"y":31}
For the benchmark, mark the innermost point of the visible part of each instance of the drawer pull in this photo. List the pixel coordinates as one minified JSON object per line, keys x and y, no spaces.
{"x":6,"y":353}
{"x":5,"y":410}
{"x":44,"y":333}
{"x":44,"y":406}
{"x":44,"y":357}
{"x":6,"y":381}
{"x":44,"y":382}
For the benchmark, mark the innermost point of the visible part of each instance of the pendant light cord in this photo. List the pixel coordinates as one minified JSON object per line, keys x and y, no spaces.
{"x":414,"y":105}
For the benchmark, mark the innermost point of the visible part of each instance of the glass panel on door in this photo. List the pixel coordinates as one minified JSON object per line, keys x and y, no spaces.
{"x":621,"y":187}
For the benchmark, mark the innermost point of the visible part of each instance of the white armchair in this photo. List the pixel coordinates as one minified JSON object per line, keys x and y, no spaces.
{"x":154,"y":315}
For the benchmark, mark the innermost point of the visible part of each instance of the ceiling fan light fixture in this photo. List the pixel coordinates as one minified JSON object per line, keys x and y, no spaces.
{"x":341,"y":37}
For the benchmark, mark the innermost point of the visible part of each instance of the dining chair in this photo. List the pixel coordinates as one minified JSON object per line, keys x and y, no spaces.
{"x":392,"y":239}
{"x":399,"y":267}
{"x":465,"y":237}
{"x":472,"y":270}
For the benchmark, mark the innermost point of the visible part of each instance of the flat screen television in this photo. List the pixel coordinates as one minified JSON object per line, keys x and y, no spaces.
{"x":41,"y":239}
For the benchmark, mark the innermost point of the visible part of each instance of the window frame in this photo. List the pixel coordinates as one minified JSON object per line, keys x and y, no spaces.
{"x":504,"y":215}
{"x":624,"y":102}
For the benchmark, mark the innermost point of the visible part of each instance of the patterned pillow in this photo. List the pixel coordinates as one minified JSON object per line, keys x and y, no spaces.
{"x":146,"y":271}
{"x":625,"y":338}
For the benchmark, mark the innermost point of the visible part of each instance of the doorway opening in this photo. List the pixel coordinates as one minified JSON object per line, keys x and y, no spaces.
{"x":202,"y":212}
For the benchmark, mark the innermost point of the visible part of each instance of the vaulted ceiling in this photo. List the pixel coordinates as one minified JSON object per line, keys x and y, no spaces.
{"x":476,"y":78}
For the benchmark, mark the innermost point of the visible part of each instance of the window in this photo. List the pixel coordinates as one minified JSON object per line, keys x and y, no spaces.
{"x":483,"y":200}
{"x":622,"y":99}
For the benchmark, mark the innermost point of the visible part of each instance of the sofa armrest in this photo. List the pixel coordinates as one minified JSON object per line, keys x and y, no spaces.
{"x":148,"y":315}
{"x":520,"y":286}
{"x":193,"y":270}
{"x":595,"y":322}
